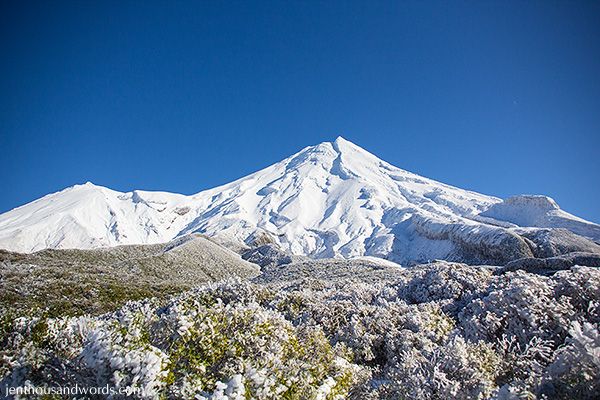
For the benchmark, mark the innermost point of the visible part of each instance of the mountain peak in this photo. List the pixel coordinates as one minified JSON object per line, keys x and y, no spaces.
{"x":86,"y":185}
{"x":340,"y":141}
{"x":341,"y":144}
{"x":334,"y":199}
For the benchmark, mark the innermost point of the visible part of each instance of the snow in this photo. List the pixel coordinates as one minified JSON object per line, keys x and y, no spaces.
{"x":542,"y":212}
{"x":333,"y":199}
{"x":378,"y":261}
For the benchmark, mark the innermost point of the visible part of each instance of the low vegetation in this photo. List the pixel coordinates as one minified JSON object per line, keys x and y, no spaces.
{"x":78,"y":282}
{"x":439,"y":331}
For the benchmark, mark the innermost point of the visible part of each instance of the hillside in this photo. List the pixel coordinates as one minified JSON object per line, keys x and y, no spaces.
{"x":73,"y":282}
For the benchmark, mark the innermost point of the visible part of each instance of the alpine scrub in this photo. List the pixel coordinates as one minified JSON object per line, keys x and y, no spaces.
{"x":435,"y":331}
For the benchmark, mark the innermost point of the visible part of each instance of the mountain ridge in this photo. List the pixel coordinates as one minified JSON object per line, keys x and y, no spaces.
{"x":333,"y":199}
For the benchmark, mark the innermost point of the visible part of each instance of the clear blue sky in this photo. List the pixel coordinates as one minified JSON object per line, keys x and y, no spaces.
{"x":498,"y":97}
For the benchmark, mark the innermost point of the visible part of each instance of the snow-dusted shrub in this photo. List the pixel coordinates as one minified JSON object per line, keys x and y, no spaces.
{"x":121,"y":354}
{"x":442,"y":281}
{"x":37,"y":347}
{"x":520,"y":305}
{"x":575,"y":372}
{"x":581,"y":285}
{"x":521,"y":368}
{"x":442,"y":331}
{"x":214,"y":344}
{"x":455,"y":369}
{"x":352,"y":316}
{"x":197,"y":346}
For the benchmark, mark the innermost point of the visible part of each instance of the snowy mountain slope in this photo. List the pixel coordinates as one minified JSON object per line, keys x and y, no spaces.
{"x":329,"y":200}
{"x":89,"y":216}
{"x":540,"y":211}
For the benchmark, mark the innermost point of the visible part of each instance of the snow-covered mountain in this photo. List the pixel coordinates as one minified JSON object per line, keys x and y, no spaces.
{"x":329,"y":200}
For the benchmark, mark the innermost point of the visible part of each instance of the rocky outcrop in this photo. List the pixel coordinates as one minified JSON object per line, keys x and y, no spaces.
{"x":548,"y":266}
{"x":554,"y":242}
{"x":267,"y":255}
{"x":474,"y":243}
{"x":481,"y":243}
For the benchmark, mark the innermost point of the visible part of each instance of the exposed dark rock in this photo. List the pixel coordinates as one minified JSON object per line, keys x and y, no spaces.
{"x":267,"y":255}
{"x":555,"y":242}
{"x":548,"y":266}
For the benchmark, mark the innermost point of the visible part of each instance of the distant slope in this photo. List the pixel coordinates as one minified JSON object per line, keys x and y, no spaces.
{"x":334,"y":199}
{"x":95,"y":281}
{"x":89,"y":216}
{"x":542,"y":212}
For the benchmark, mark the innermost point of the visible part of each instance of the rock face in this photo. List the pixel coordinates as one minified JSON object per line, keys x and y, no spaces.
{"x":267,"y":255}
{"x":331,"y":200}
{"x":546,"y":243}
{"x":468,"y":242}
{"x":548,"y":266}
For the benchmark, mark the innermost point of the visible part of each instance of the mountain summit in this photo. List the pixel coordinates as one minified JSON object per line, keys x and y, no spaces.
{"x":333,"y":199}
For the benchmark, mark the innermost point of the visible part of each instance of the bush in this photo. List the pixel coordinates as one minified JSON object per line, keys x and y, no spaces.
{"x":485,"y":336}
